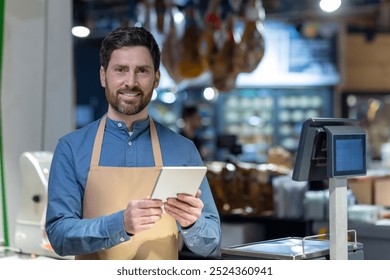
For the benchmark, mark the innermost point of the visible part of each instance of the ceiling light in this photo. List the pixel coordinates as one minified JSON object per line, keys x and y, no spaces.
{"x":330,"y":6}
{"x":210,"y":93}
{"x":80,"y":31}
{"x":168,"y":97}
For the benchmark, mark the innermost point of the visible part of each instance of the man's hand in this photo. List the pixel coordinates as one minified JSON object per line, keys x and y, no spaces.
{"x":186,"y":209}
{"x":142,"y":214}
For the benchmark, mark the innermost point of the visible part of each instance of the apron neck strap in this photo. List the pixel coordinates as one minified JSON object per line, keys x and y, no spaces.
{"x":155,"y":144}
{"x":97,"y":146}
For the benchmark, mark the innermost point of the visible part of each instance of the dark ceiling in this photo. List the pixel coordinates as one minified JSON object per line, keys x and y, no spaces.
{"x":103,"y":15}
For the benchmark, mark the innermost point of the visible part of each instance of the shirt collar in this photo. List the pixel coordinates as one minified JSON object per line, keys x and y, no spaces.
{"x":138,"y":126}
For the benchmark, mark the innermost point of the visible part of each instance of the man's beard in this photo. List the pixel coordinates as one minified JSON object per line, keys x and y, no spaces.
{"x":130,"y":107}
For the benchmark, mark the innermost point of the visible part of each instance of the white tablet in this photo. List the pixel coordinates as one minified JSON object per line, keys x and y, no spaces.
{"x":178,"y":179}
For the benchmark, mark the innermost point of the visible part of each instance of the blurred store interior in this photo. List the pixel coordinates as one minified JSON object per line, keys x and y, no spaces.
{"x":276,"y":63}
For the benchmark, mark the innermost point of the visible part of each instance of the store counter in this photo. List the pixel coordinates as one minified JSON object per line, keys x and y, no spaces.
{"x":375,"y":237}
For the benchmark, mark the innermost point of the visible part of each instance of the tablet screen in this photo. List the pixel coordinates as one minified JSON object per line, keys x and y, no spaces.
{"x":178,"y":179}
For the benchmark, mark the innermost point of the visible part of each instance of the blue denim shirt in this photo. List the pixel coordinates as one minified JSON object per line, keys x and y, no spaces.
{"x":69,"y":234}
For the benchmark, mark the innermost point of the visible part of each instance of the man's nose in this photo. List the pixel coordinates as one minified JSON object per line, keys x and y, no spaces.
{"x":131,"y":79}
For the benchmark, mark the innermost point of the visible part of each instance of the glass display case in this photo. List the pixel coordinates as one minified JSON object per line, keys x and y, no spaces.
{"x":267,"y":117}
{"x":252,"y":120}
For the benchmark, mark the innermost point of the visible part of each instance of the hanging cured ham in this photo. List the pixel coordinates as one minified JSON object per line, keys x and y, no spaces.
{"x":250,"y":50}
{"x":160,"y":13}
{"x":222,"y":69}
{"x":191,"y":65}
{"x":170,"y":57}
{"x":212,"y":45}
{"x":208,"y":48}
{"x":180,"y":54}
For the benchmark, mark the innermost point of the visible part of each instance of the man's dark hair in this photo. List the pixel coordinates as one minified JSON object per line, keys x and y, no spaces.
{"x":129,"y":37}
{"x":189,"y":111}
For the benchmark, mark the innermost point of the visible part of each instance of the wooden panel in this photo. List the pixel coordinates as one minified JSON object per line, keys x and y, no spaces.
{"x":362,"y":189}
{"x":367,"y":62}
{"x":382,"y":192}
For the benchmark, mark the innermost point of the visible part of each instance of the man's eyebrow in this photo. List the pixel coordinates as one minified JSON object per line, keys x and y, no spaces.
{"x":144,"y":66}
{"x":138,"y":66}
{"x":120,"y":65}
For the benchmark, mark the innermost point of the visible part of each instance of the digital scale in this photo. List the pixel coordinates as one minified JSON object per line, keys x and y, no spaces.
{"x":330,"y":149}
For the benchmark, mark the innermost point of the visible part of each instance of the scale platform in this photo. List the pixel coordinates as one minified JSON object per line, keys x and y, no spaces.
{"x":289,"y":248}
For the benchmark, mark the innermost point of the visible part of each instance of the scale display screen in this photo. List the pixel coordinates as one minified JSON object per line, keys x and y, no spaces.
{"x":330,"y":147}
{"x":349,"y":156}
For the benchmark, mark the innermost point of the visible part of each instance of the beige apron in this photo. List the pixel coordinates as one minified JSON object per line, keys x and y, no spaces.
{"x":109,"y":189}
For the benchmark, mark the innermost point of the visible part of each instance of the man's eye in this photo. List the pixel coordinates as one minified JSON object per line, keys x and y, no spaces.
{"x":143,"y":72}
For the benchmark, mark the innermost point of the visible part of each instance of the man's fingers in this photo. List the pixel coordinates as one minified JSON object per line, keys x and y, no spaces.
{"x":147,"y":203}
{"x":142,"y":214}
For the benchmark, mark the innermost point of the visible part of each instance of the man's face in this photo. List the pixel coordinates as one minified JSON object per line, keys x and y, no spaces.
{"x":129,"y":80}
{"x":196,"y":121}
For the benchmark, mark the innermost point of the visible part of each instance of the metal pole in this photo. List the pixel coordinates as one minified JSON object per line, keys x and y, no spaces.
{"x":3,"y":194}
{"x":338,"y":219}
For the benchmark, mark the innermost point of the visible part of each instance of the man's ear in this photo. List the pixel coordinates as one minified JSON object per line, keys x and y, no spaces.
{"x":157,"y":80}
{"x":102,"y":77}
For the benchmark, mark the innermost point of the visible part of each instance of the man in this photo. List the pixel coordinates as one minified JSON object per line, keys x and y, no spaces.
{"x":192,"y":122}
{"x":102,"y":175}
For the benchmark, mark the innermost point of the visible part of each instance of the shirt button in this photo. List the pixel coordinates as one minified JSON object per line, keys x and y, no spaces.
{"x":122,"y":239}
{"x":103,"y":248}
{"x":119,"y":124}
{"x":130,"y":143}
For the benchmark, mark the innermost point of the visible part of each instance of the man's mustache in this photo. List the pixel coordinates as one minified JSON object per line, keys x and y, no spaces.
{"x":130,"y":90}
